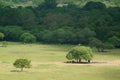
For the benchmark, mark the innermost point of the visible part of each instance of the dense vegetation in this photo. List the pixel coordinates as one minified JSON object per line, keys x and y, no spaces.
{"x":69,"y":24}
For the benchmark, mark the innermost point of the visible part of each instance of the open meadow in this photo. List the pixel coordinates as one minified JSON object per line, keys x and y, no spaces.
{"x":48,"y":63}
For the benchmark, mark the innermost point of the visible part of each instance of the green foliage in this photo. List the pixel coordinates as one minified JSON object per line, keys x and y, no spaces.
{"x":114,"y":40}
{"x":20,"y":1}
{"x":84,"y":35}
{"x":27,"y":38}
{"x":57,"y":20}
{"x":67,"y":35}
{"x":50,"y":3}
{"x":109,"y":46}
{"x":12,"y":33}
{"x":2,"y":36}
{"x":26,"y":18}
{"x":69,"y":24}
{"x":59,"y":36}
{"x":80,"y":52}
{"x":22,"y":63}
{"x":94,"y":42}
{"x":94,"y":5}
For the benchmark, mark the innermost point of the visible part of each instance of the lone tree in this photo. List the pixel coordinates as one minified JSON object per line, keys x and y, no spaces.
{"x":22,"y":63}
{"x":27,"y":38}
{"x":80,"y":52}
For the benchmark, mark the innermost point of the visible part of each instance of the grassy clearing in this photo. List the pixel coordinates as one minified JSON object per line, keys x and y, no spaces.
{"x":47,"y":64}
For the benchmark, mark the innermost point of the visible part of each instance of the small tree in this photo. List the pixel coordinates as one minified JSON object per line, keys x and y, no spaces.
{"x":22,"y":63}
{"x":1,"y":36}
{"x":80,"y":52}
{"x":27,"y":38}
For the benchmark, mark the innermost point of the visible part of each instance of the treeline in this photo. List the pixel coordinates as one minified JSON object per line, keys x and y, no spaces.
{"x":69,"y":24}
{"x":78,"y":2}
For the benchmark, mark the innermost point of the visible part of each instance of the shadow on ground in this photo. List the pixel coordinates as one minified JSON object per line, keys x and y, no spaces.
{"x":85,"y":62}
{"x":15,"y":71}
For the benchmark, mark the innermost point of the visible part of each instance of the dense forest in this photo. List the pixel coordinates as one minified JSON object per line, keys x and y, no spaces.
{"x":67,"y":24}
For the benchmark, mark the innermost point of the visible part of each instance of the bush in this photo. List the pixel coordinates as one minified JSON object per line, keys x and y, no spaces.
{"x":27,"y":38}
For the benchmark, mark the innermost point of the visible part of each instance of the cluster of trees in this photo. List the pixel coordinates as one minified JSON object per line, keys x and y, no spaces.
{"x":67,"y":24}
{"x":101,"y":46}
{"x":25,"y":38}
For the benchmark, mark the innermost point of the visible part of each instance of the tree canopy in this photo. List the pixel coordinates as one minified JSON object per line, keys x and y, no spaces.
{"x":94,"y":5}
{"x":27,"y":38}
{"x":80,"y":52}
{"x":22,"y":63}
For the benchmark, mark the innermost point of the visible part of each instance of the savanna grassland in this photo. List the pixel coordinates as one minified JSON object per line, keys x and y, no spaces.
{"x":48,"y":63}
{"x":56,"y":22}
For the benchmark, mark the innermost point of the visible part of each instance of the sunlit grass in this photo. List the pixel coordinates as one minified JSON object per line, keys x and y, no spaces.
{"x":47,"y":63}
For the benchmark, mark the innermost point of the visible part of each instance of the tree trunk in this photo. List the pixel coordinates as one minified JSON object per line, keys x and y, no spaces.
{"x":98,"y":49}
{"x":102,"y":50}
{"x":88,"y":61}
{"x":21,"y":69}
{"x":79,"y":60}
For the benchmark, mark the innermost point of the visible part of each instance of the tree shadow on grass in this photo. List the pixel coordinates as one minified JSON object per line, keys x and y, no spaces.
{"x":72,"y":62}
{"x":18,"y":71}
{"x":15,"y":71}
{"x":98,"y":62}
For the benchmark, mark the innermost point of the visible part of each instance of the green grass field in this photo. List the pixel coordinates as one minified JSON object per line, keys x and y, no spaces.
{"x":48,"y":64}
